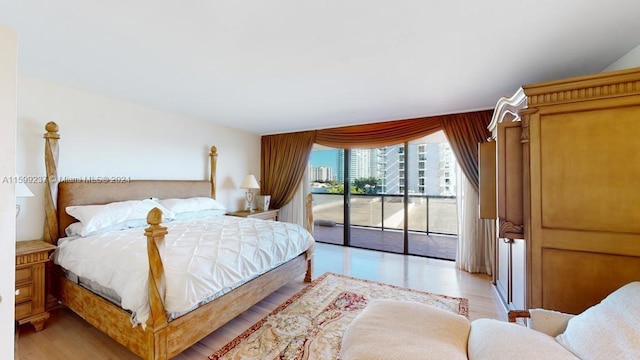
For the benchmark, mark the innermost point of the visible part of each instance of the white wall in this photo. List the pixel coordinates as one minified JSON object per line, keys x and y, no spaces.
{"x":103,"y":136}
{"x":630,"y":60}
{"x":8,"y":73}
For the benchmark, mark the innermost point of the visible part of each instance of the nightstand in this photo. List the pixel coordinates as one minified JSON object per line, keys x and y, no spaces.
{"x":31,"y":258}
{"x":271,"y":214}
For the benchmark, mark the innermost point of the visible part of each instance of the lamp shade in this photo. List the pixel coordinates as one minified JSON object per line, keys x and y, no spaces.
{"x":250,"y":182}
{"x":23,"y":190}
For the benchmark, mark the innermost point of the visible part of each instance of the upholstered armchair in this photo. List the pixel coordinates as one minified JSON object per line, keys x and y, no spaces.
{"x":389,"y":329}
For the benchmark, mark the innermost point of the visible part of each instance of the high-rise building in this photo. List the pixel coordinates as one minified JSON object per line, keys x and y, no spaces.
{"x":340,"y":165}
{"x":428,"y":167}
{"x":447,"y":170}
{"x":363,"y":163}
{"x":321,"y":173}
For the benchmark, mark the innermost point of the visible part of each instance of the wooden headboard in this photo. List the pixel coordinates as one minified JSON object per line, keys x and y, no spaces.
{"x":59,"y":195}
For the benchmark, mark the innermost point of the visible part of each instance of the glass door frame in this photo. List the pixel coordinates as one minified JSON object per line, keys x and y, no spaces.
{"x":347,"y":201}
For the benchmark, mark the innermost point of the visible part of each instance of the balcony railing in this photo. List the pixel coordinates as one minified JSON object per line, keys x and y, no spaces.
{"x":427,"y":213}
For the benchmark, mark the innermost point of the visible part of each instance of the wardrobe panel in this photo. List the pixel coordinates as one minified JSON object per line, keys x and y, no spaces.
{"x":574,"y":280}
{"x":590,"y":170}
{"x":487,"y":174}
{"x":582,"y":203}
{"x":510,"y":179}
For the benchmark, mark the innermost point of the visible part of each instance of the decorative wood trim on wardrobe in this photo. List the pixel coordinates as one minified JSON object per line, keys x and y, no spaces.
{"x":507,"y":229}
{"x":507,"y":106}
{"x":592,"y":87}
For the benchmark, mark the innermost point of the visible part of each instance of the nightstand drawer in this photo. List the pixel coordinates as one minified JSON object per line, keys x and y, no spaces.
{"x":24,"y":292}
{"x":23,"y":275}
{"x":31,"y":263}
{"x":23,"y":310}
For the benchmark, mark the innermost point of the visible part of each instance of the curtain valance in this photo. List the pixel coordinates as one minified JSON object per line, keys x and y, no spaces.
{"x":378,"y":134}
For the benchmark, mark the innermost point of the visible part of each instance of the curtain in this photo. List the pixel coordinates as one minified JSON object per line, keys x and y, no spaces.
{"x":476,"y":245}
{"x":475,"y":236}
{"x":378,"y":134}
{"x":283,"y":164}
{"x":285,"y":157}
{"x":464,"y":132}
{"x":295,"y":210}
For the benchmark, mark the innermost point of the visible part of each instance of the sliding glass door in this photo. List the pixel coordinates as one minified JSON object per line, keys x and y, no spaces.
{"x":327,"y":186}
{"x":398,"y":198}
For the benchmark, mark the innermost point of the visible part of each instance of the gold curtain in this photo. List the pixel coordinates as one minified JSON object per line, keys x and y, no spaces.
{"x":464,"y":132}
{"x":283,"y":164}
{"x":378,"y":134}
{"x":285,"y":156}
{"x":475,"y":236}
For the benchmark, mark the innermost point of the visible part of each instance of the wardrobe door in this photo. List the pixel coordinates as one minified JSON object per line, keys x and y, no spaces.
{"x":585,"y":201}
{"x":487,"y":176}
{"x":510,"y":180}
{"x":510,"y":274}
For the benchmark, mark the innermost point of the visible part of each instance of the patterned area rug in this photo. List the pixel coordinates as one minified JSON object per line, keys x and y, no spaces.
{"x":310,"y":324}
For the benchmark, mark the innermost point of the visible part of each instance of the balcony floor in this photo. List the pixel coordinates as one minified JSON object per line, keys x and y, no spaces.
{"x":434,"y":246}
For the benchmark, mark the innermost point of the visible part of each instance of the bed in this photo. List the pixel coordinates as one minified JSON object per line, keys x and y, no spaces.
{"x":161,"y":337}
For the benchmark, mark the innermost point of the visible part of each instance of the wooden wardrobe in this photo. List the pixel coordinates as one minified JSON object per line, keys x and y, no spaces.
{"x":576,"y":215}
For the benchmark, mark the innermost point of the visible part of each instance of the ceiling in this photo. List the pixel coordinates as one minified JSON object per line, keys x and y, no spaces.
{"x":287,"y":65}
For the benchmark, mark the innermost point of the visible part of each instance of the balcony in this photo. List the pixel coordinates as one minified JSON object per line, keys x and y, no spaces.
{"x":377,"y":222}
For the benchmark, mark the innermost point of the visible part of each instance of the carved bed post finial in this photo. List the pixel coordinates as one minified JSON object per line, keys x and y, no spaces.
{"x":157,"y":283}
{"x":51,"y":182}
{"x":154,"y":218}
{"x":213,"y":156}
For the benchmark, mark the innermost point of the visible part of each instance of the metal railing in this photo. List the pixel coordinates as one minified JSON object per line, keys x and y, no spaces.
{"x":430,"y":214}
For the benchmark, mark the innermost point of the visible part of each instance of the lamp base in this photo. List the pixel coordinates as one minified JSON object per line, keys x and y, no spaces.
{"x":249,"y":197}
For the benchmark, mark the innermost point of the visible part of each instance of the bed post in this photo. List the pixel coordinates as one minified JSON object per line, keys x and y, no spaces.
{"x":309,"y":208}
{"x":157,"y":286}
{"x":51,"y":182}
{"x":213,"y":157}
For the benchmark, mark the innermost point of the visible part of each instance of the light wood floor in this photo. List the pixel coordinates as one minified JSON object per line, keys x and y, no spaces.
{"x":66,"y":336}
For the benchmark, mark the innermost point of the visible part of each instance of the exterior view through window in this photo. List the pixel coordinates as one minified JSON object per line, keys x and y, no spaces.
{"x":378,"y":183}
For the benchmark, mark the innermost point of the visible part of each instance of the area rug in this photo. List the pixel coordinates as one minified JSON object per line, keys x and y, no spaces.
{"x":310,"y":324}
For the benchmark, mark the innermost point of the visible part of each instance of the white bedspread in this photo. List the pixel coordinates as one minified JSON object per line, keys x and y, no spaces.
{"x":201,"y":258}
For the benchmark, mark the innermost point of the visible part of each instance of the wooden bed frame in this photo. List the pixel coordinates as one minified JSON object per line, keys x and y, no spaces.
{"x":162,"y":339}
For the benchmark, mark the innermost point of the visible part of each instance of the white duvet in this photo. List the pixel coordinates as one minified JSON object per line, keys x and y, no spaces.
{"x":201,"y":258}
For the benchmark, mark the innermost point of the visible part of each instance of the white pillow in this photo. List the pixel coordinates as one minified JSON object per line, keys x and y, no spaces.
{"x":76,"y":228}
{"x":608,"y":330}
{"x":200,"y":214}
{"x":96,"y":218}
{"x":178,"y":206}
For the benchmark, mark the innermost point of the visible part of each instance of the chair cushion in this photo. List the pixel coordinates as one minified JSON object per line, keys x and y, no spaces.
{"x":496,"y":340}
{"x":552,"y":323}
{"x":392,"y":329}
{"x":609,"y":330}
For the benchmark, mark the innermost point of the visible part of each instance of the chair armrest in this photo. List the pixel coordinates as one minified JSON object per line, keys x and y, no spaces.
{"x":552,"y":323}
{"x":513,"y":315}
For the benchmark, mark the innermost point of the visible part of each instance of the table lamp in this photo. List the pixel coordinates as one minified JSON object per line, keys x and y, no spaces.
{"x":250,"y":183}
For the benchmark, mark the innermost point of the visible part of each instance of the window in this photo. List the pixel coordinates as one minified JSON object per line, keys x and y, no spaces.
{"x":402,"y":189}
